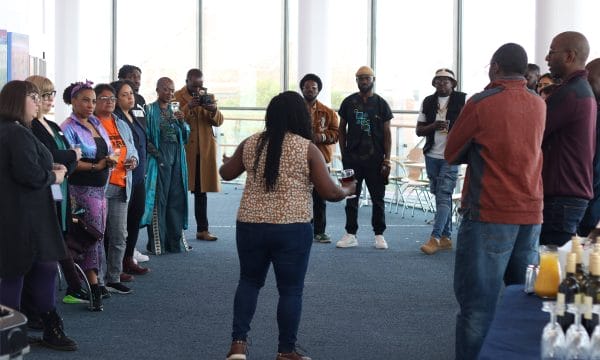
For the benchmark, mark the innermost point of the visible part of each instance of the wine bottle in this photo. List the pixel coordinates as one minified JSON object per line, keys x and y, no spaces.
{"x":592,"y":294}
{"x":580,"y":271}
{"x":568,"y":293}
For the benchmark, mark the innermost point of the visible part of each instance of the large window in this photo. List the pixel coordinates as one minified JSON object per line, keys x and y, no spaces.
{"x":349,"y":45}
{"x":413,"y":40}
{"x":95,"y":41}
{"x":241,"y":50}
{"x":159,"y":37}
{"x":481,"y":38}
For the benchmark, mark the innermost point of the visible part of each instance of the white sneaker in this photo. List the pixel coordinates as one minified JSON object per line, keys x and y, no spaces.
{"x":347,"y":241}
{"x":139,"y":257}
{"x":380,"y":242}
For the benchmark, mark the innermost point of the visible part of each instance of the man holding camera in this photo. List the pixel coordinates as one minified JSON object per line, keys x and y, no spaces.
{"x":201,"y":113}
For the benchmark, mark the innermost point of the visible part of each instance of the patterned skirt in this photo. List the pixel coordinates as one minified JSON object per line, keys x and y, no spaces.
{"x":93,"y":201}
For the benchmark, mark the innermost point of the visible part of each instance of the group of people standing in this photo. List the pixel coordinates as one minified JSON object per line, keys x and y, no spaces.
{"x":113,"y":166}
{"x":532,"y":175}
{"x":532,"y":178}
{"x":125,"y":165}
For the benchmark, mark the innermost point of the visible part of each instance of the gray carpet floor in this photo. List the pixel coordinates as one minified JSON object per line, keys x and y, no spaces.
{"x":359,"y":303}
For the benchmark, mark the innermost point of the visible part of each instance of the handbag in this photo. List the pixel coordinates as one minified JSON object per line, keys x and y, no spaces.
{"x":81,"y":236}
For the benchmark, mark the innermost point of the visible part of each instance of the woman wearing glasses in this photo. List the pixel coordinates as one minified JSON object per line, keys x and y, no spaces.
{"x":118,"y":190}
{"x":26,"y":176}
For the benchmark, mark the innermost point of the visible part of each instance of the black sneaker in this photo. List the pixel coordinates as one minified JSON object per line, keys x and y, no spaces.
{"x":118,"y":288}
{"x":104,"y":292}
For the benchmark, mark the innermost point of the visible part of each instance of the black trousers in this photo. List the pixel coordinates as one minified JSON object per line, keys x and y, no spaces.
{"x":200,"y":201}
{"x":135,"y":211}
{"x":319,"y":213}
{"x":370,"y":172}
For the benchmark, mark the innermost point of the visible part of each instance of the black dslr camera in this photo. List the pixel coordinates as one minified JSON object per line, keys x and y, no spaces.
{"x":204,"y":96}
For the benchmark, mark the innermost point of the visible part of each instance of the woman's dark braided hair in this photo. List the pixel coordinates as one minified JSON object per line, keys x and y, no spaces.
{"x":286,"y":112}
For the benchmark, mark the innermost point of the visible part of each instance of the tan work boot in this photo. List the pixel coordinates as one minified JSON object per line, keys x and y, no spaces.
{"x":238,"y":350}
{"x":206,"y":236}
{"x":431,"y":246}
{"x":445,"y":243}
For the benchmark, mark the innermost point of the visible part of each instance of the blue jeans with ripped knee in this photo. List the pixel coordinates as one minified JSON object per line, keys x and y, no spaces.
{"x":442,"y":179}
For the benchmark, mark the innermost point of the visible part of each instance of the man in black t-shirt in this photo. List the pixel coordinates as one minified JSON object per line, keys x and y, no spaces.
{"x":365,"y":143}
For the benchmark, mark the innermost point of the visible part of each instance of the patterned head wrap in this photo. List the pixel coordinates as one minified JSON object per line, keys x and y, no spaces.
{"x":81,"y":86}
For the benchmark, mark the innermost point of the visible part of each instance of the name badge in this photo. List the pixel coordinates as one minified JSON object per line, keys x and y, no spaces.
{"x":56,"y":192}
{"x":137,"y":113}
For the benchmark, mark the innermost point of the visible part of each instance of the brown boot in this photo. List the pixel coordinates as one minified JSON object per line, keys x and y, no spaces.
{"x":445,"y":243}
{"x":131,"y":268}
{"x":123,"y":277}
{"x":431,"y":246}
{"x":206,"y":236}
{"x":238,"y":350}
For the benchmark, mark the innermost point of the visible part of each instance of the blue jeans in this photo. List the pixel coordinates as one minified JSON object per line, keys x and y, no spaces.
{"x":287,"y":247}
{"x":442,"y":180}
{"x":487,"y":255}
{"x":561,"y":218}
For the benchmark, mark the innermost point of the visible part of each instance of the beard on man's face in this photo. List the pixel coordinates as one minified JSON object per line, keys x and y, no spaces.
{"x":365,"y":88}
{"x":309,"y":97}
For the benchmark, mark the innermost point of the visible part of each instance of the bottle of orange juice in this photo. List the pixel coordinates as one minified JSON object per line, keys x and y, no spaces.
{"x":548,"y":278}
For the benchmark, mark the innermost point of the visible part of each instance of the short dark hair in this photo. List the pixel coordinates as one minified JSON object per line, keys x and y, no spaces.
{"x":12,"y":99}
{"x":101,"y":87}
{"x":117,"y":85}
{"x":511,"y":59}
{"x":533,"y":67}
{"x":125,"y":70}
{"x":193,"y":73}
{"x":312,"y":77}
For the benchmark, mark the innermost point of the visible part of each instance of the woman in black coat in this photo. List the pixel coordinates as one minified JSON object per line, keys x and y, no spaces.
{"x":30,"y":241}
{"x":50,"y":134}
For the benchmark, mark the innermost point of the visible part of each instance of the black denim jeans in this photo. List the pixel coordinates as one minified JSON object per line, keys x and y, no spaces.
{"x":561,"y":218}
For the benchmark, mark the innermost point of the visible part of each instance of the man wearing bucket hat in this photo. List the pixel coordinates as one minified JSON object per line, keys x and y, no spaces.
{"x":436,"y":118}
{"x":365,"y":143}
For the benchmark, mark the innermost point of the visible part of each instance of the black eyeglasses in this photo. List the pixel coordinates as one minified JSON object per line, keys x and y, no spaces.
{"x":552,"y":52}
{"x":48,"y":95}
{"x":442,"y":81}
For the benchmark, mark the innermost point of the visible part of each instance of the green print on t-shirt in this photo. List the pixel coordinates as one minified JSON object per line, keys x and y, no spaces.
{"x":362,"y":119}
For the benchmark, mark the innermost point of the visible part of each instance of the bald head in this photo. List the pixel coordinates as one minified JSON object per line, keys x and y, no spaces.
{"x":164,"y":81}
{"x":576,"y":42}
{"x":568,"y":53}
{"x":594,"y":76}
{"x":165,"y":89}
